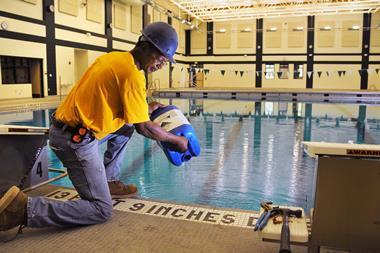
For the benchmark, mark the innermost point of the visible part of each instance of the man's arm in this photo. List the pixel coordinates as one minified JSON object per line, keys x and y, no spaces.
{"x":154,"y":106}
{"x":155,"y":132}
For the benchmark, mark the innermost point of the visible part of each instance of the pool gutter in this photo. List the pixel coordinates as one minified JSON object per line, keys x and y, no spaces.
{"x":302,"y":95}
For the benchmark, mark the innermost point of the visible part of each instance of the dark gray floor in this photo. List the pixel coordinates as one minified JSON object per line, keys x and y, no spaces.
{"x":131,"y":232}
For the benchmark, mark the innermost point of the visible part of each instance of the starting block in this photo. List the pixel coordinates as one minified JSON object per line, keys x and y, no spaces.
{"x":23,"y":156}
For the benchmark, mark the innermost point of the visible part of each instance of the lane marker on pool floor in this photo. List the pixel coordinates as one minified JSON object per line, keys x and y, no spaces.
{"x":201,"y":214}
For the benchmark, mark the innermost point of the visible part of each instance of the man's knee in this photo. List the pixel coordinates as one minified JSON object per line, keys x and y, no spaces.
{"x":104,"y":211}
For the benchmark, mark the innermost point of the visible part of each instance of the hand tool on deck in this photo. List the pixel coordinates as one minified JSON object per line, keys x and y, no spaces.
{"x":264,"y":217}
{"x":285,"y":232}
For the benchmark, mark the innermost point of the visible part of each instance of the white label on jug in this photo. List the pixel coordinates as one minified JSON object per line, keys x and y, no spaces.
{"x":171,"y":119}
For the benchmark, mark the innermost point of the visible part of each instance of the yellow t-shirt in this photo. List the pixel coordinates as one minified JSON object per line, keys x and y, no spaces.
{"x":110,"y":94}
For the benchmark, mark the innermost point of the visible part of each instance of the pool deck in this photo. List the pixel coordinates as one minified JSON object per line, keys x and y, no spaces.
{"x":265,"y":94}
{"x":28,"y":104}
{"x":133,"y":228}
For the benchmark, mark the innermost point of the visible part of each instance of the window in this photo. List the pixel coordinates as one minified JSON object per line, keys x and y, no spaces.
{"x":269,"y":71}
{"x":268,"y":108}
{"x":298,"y":71}
{"x":15,"y":70}
{"x":284,"y":71}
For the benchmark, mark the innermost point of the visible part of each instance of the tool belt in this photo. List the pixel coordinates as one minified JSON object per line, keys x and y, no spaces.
{"x":77,"y":133}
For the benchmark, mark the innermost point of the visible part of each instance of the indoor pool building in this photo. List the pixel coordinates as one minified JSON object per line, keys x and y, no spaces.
{"x":188,"y":126}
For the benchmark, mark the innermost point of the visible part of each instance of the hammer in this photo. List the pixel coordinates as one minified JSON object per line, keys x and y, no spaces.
{"x":285,"y":232}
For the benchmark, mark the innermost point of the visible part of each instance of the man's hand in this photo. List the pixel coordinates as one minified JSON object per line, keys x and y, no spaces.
{"x":181,"y":144}
{"x":155,"y":105}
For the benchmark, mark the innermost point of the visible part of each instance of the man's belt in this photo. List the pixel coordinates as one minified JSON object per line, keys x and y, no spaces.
{"x":77,"y":133}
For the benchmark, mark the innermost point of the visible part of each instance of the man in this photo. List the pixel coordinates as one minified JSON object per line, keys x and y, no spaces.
{"x":105,"y":105}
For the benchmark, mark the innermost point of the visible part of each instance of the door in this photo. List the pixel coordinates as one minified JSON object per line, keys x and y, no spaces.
{"x":80,"y":63}
{"x":199,"y":79}
{"x":36,"y":78}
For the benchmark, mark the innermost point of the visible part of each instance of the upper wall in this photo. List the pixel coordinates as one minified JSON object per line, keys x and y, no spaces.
{"x":88,"y":15}
{"x":336,"y":48}
{"x":239,"y":37}
{"x":335,"y":34}
{"x":180,"y":28}
{"x":289,"y":36}
{"x":198,"y":40}
{"x":127,"y":21}
{"x":375,"y":33}
{"x":31,"y":9}
{"x":285,"y":34}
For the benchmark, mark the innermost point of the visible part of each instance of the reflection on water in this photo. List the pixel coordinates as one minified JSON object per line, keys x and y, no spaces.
{"x":251,"y":151}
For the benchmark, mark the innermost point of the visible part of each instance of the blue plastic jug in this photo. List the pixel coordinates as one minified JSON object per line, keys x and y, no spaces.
{"x":172,"y":120}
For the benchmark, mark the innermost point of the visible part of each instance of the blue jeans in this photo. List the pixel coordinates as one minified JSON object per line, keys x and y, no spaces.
{"x":89,"y":173}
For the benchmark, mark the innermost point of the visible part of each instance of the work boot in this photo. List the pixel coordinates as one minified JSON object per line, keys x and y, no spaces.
{"x":13,"y":209}
{"x":120,"y":190}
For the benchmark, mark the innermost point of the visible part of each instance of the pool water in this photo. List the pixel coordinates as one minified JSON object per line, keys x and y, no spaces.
{"x":250,"y":151}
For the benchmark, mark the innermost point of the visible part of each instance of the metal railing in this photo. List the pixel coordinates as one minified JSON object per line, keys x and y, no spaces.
{"x":62,"y":175}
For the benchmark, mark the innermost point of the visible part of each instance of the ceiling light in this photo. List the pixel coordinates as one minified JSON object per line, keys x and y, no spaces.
{"x":272,"y":29}
{"x":325,"y":28}
{"x":298,"y":29}
{"x":246,"y":30}
{"x":221,"y":30}
{"x":354,"y":28}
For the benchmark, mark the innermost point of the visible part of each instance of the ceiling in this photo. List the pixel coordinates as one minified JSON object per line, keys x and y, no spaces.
{"x":227,"y":10}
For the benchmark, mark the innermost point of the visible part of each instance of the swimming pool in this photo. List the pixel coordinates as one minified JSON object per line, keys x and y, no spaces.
{"x":251,"y":151}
